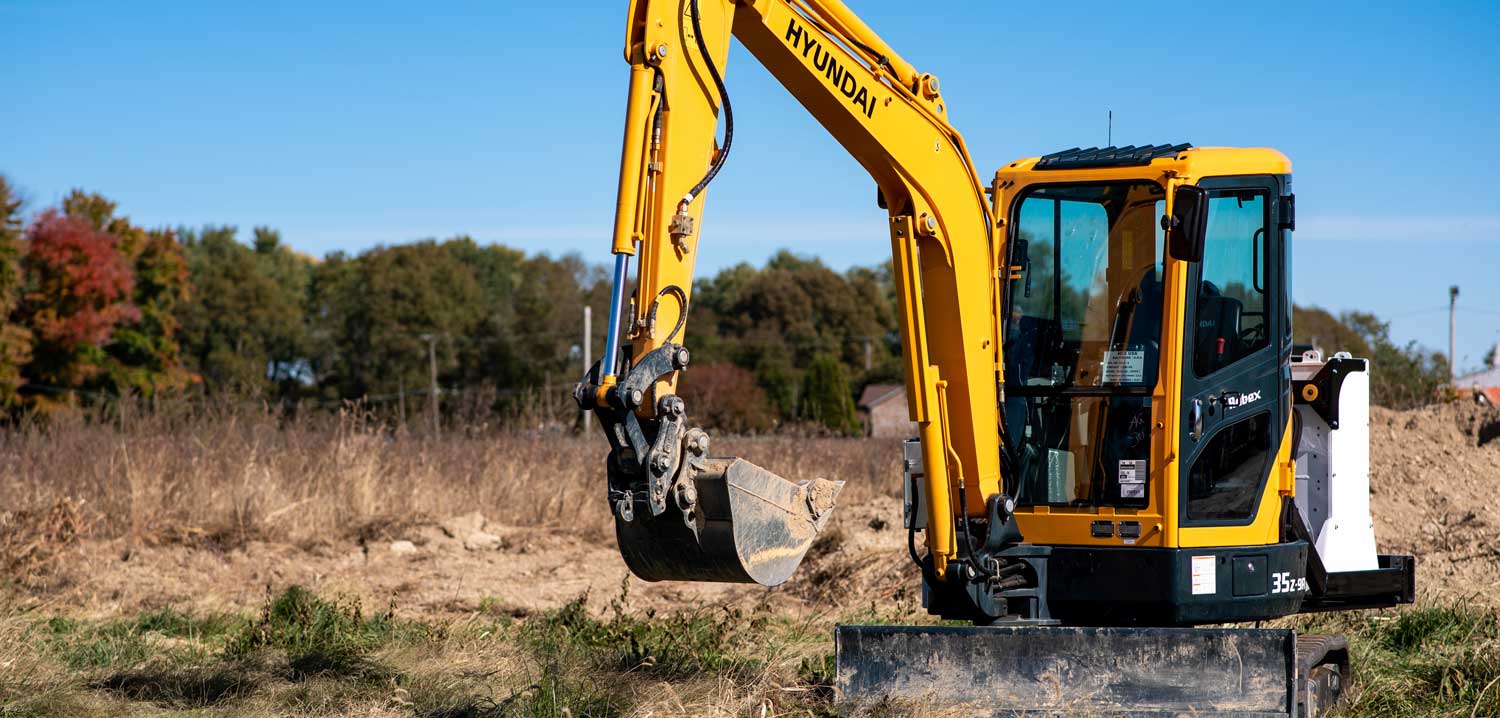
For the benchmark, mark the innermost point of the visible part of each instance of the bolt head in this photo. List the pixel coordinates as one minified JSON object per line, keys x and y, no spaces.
{"x":661,"y":50}
{"x":931,"y":222}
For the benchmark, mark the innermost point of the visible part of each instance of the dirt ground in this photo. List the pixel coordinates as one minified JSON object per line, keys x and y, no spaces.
{"x":1434,"y":484}
{"x":1434,"y":480}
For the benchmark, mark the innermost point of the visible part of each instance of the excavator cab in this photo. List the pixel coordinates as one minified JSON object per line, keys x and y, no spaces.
{"x":1153,"y":408}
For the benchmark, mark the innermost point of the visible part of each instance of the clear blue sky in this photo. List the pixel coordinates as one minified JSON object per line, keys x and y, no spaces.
{"x":350,"y":124}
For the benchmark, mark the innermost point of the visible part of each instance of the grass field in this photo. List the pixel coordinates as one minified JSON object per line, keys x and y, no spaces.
{"x":303,"y":654}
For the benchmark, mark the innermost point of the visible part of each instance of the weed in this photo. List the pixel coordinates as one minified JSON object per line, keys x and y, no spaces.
{"x":318,"y":636}
{"x":675,"y":645}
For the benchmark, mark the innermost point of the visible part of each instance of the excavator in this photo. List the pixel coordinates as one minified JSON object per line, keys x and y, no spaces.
{"x":1119,"y":449}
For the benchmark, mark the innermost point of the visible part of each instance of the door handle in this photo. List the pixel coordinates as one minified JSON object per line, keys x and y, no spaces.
{"x":1195,"y":420}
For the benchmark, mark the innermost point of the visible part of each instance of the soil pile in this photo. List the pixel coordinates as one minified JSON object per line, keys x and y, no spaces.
{"x":1434,"y":481}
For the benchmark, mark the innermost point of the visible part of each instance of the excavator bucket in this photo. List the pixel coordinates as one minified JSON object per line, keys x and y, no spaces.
{"x":747,"y":525}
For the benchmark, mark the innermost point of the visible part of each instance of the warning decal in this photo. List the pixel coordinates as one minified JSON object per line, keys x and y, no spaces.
{"x":1132,"y":478}
{"x":1123,"y":367}
{"x":1205,"y":580}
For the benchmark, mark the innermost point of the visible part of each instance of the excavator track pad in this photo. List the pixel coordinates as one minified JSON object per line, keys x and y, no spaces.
{"x":745,"y":525}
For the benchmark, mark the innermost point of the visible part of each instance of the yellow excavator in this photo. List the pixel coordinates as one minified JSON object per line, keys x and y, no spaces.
{"x":1118,"y":442}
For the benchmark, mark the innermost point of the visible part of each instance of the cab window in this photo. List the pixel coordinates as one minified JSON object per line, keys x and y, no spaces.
{"x":1232,"y":318}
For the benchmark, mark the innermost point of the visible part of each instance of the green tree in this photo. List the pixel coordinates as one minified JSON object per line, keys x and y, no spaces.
{"x":775,"y":321}
{"x":1400,"y":376}
{"x":239,"y":317}
{"x":1319,"y":328}
{"x":291,"y":274}
{"x":376,"y":309}
{"x":15,"y":340}
{"x":826,"y":398}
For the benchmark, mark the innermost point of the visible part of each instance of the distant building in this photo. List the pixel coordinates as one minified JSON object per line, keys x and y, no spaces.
{"x":883,"y":411}
{"x":1483,"y":384}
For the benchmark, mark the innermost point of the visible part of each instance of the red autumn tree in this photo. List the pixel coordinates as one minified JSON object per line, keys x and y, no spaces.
{"x":144,"y":356}
{"x":78,"y":291}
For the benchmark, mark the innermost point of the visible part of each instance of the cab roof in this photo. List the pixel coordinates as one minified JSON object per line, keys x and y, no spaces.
{"x":1181,"y":159}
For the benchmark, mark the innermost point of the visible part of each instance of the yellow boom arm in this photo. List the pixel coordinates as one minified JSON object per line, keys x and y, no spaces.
{"x":893,"y":121}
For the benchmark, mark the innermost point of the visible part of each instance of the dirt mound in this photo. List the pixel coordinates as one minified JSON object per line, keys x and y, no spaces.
{"x":1434,"y":476}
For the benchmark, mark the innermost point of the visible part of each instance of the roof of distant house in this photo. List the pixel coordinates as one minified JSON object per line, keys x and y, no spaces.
{"x":1483,"y":377}
{"x":876,"y":394}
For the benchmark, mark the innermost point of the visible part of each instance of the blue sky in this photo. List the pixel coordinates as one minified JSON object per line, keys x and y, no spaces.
{"x":347,"y":124}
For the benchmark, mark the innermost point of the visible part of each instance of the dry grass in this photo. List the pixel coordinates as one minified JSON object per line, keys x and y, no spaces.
{"x":217,"y":480}
{"x":242,"y":473}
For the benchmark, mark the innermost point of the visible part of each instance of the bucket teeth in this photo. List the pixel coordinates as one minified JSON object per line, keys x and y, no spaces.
{"x":747,"y":525}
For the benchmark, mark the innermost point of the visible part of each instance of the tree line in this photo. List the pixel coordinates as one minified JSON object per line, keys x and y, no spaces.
{"x":94,"y":307}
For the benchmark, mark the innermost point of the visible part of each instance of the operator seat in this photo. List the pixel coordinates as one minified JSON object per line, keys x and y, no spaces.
{"x":1217,"y":337}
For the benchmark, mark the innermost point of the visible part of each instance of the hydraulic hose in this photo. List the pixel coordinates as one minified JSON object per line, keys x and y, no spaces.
{"x":963,"y":525}
{"x":713,"y":73}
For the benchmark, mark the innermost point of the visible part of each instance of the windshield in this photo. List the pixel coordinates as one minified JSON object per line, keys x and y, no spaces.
{"x":1082,"y":341}
{"x":1086,"y":309}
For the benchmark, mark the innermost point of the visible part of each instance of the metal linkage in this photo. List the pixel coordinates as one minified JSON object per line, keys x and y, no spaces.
{"x":645,"y":455}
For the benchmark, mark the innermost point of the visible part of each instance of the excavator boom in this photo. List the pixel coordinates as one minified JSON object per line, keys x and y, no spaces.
{"x":893,"y":121}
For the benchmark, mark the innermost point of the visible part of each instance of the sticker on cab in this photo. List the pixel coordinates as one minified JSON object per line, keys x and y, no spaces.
{"x":1132,"y":478}
{"x":1205,"y":578}
{"x":1123,"y":367}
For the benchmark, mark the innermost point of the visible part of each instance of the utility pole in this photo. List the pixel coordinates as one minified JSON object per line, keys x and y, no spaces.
{"x":432,"y":385}
{"x":588,"y":352}
{"x":1452,"y":332}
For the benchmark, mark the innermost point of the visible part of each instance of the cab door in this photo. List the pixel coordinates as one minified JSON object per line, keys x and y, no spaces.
{"x":1234,"y":410}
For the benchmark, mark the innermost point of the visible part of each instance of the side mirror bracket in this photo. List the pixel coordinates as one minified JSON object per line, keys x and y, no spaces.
{"x":1187,"y":225}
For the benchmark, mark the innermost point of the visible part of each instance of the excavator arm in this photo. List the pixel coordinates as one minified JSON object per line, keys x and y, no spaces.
{"x":681,"y":514}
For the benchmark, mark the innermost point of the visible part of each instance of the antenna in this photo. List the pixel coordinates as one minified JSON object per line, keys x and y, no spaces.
{"x":1109,"y":138}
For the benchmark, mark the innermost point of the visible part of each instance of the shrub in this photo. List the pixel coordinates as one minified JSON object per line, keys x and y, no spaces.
{"x":826,"y":398}
{"x":726,"y":397}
